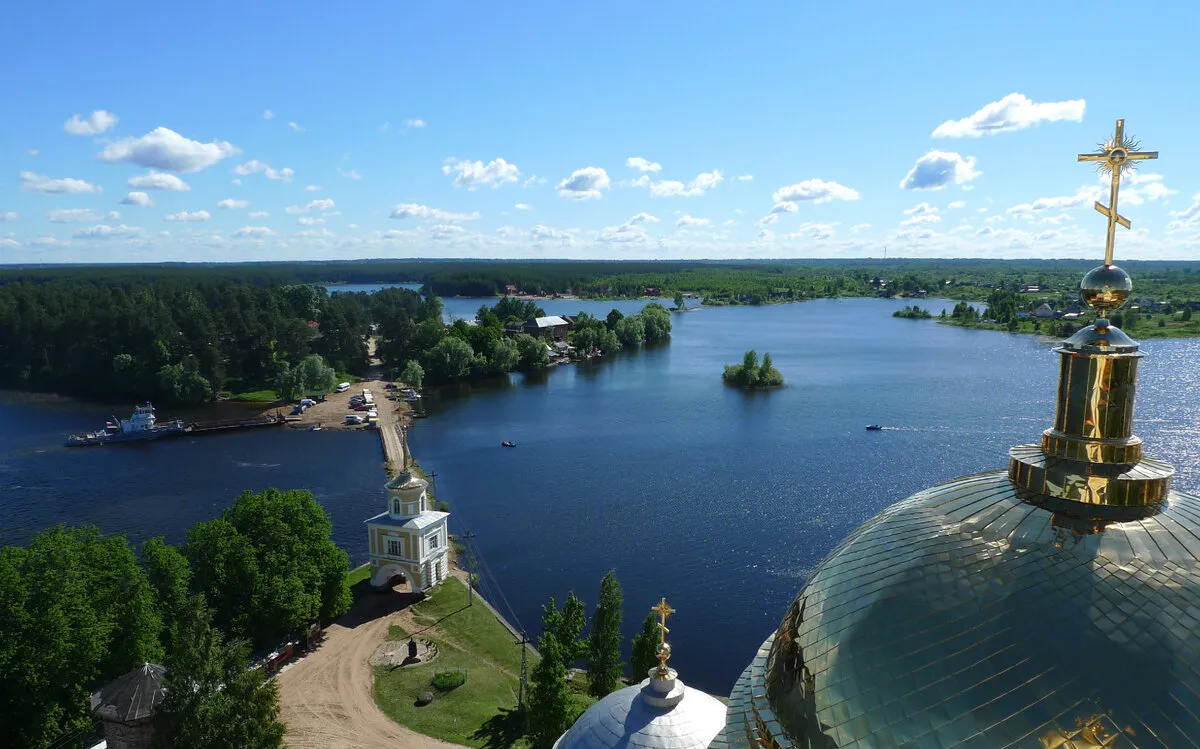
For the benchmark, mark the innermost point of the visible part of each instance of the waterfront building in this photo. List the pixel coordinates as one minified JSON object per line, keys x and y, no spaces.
{"x":552,"y":328}
{"x":409,"y":539}
{"x":1055,"y":604}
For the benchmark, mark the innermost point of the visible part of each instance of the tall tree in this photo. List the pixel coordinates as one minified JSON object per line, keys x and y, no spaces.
{"x":604,"y":644}
{"x":679,"y":300}
{"x":549,"y":701}
{"x":645,"y":645}
{"x":170,"y":576}
{"x":412,"y":374}
{"x":570,"y":630}
{"x":76,"y":610}
{"x":213,"y":699}
{"x":269,"y":565}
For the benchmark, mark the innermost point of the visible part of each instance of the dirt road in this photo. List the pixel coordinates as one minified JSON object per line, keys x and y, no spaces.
{"x":326,"y":699}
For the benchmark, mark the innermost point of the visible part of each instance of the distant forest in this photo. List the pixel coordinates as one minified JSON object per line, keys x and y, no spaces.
{"x":185,"y":332}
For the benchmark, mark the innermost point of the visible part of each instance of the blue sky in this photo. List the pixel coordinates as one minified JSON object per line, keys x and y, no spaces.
{"x":615,"y":130}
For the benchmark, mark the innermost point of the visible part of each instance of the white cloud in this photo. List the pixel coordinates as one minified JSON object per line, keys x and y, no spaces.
{"x":921,"y":218}
{"x":310,"y":221}
{"x":533,"y":180}
{"x":768,"y":219}
{"x":956,"y":204}
{"x":1059,"y":219}
{"x":47,"y":240}
{"x":919,"y":209}
{"x":1142,"y":187}
{"x":320,"y":204}
{"x":785,"y":206}
{"x":642,"y":218}
{"x":186,"y":216}
{"x":352,"y":174}
{"x":268,"y":115}
{"x":415,"y":123}
{"x":669,"y":188}
{"x":101,"y":231}
{"x":1085,"y":196}
{"x":413,"y":210}
{"x":686,"y":220}
{"x":231,"y":203}
{"x":9,"y":215}
{"x":642,"y":165}
{"x":158,"y":181}
{"x":31,"y":182}
{"x":12,"y":244}
{"x":744,"y":177}
{"x":98,"y":122}
{"x":295,"y":127}
{"x":524,"y":207}
{"x":255,"y":166}
{"x":166,"y":149}
{"x":235,"y":181}
{"x":811,"y":231}
{"x":34,"y":152}
{"x":313,"y":188}
{"x":584,"y":184}
{"x":729,"y":222}
{"x":140,"y":199}
{"x":814,"y":190}
{"x":1013,"y":112}
{"x":79,"y":216}
{"x":936,"y":169}
{"x":474,"y":174}
{"x":859,"y":227}
{"x":258,"y":214}
{"x":253,"y":232}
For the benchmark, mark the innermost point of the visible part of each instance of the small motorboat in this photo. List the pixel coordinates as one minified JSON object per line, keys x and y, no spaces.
{"x":506,"y":443}
{"x":874,"y":428}
{"x":315,"y":428}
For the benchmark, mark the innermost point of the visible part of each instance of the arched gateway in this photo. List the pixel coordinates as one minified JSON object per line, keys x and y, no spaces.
{"x":409,"y":539}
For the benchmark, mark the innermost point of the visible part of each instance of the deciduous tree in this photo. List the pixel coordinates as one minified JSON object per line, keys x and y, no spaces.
{"x":604,"y":643}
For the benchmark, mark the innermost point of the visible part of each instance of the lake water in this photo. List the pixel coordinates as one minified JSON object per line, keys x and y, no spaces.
{"x":722,"y":501}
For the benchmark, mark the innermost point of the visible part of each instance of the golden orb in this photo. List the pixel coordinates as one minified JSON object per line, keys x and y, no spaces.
{"x":1105,"y":288}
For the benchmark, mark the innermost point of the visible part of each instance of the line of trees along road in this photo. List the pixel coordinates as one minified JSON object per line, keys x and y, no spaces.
{"x":78,"y":608}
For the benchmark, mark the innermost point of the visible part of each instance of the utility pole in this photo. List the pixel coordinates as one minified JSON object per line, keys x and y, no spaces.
{"x":470,"y":568}
{"x":522,"y":687}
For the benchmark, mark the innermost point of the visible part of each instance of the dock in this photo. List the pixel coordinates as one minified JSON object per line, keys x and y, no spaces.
{"x":228,"y":425}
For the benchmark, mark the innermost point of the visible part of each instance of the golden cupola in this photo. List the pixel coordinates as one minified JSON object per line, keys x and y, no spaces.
{"x":1055,"y":605}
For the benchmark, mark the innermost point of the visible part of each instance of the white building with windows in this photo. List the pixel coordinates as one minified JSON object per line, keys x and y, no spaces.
{"x":410,"y":539}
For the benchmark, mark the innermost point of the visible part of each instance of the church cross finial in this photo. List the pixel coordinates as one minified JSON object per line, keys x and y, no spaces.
{"x":1116,"y":157}
{"x":663,"y":651}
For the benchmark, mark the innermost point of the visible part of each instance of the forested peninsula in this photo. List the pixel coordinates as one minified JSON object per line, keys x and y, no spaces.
{"x":188,"y":333}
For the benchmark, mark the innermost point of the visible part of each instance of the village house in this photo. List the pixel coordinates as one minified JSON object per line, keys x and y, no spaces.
{"x":552,"y":328}
{"x":1044,"y":311}
{"x":510,"y":289}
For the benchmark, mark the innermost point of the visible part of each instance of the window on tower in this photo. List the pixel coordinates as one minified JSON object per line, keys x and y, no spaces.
{"x":396,"y":506}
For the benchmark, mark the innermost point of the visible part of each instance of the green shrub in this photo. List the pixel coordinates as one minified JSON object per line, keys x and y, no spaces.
{"x":444,"y":681}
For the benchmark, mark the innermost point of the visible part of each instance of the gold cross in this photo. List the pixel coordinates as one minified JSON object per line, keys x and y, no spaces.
{"x":1116,"y":157}
{"x":663,"y":609}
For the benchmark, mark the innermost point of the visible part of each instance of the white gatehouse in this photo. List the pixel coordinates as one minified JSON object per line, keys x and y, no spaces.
{"x":409,"y":539}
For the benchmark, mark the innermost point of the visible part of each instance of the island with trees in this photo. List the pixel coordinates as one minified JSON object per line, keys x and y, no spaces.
{"x":750,"y":375}
{"x":913,"y":313}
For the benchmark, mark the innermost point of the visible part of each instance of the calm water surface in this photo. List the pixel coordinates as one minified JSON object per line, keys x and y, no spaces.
{"x":722,"y":501}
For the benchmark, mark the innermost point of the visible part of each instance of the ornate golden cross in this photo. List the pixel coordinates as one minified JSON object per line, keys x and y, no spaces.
{"x":663,"y":609}
{"x":1116,"y":157}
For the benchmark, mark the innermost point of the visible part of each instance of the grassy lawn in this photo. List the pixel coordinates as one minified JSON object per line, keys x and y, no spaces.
{"x":479,"y":713}
{"x":256,"y":396}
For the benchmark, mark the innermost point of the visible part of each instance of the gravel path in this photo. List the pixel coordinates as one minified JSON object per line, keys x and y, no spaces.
{"x":326,"y":696}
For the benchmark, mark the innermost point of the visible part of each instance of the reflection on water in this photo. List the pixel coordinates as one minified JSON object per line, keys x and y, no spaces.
{"x":722,"y":501}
